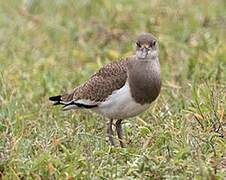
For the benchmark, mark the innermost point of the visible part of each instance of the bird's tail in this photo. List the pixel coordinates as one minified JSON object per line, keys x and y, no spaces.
{"x":56,"y":99}
{"x":70,"y":104}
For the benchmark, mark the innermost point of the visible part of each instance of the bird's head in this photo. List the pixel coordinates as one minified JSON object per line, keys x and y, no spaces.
{"x":146,"y":46}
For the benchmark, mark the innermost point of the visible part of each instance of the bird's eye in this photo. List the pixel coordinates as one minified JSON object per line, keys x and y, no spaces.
{"x":153,"y":43}
{"x":138,"y":44}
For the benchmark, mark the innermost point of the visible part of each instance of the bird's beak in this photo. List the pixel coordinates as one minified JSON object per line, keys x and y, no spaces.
{"x":143,"y":53}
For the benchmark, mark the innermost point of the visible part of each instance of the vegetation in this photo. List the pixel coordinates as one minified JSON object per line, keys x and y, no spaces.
{"x":49,"y":47}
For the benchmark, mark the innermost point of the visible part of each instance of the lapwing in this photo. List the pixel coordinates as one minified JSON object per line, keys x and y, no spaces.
{"x":121,"y":89}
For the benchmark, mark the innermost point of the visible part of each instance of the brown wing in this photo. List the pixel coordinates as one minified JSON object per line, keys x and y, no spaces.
{"x":100,"y":85}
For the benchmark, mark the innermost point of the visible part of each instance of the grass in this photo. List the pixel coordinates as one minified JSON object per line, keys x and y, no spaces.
{"x":48,"y":47}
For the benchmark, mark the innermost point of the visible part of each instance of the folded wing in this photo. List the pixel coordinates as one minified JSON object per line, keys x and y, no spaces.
{"x":97,"y":89}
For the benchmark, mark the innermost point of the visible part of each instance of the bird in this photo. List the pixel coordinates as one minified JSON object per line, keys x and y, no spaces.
{"x":121,"y":89}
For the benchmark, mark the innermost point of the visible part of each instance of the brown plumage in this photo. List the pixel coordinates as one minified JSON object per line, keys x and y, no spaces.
{"x":100,"y":85}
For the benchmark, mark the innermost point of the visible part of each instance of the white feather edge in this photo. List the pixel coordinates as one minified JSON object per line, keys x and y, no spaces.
{"x":80,"y":101}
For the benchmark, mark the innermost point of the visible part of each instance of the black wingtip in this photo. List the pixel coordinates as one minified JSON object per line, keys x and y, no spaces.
{"x":55,"y":98}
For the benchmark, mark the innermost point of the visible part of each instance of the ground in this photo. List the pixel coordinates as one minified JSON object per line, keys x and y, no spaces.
{"x":49,"y":47}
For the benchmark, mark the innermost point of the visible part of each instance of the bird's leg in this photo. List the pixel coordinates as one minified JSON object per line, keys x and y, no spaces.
{"x":110,"y":132}
{"x":119,"y":130}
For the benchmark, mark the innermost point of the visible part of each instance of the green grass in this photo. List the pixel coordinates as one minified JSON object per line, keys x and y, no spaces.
{"x":49,"y":47}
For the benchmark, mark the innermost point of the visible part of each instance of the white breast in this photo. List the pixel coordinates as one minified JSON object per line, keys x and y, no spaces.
{"x":120,"y":105}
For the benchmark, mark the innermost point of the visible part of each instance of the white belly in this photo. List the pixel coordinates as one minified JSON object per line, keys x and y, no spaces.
{"x":120,"y":105}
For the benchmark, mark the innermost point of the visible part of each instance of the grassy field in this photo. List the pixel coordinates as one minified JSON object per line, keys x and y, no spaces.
{"x":49,"y":47}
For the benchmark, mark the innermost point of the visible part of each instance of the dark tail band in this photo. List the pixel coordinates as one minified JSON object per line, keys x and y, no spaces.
{"x":55,"y":98}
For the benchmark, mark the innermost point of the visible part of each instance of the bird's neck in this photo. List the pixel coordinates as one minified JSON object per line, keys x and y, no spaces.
{"x":148,"y":64}
{"x":144,"y":77}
